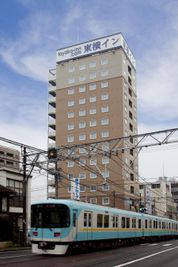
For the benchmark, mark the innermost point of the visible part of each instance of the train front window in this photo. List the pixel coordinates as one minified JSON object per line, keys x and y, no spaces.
{"x":50,"y":216}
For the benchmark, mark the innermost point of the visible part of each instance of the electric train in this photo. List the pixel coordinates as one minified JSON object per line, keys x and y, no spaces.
{"x":60,"y":225}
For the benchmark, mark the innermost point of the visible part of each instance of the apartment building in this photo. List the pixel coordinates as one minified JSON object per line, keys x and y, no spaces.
{"x":92,"y":99}
{"x":158,"y":199}
{"x":11,"y":195}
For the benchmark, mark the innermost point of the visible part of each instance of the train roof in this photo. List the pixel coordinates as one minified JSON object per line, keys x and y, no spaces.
{"x":88,"y":206}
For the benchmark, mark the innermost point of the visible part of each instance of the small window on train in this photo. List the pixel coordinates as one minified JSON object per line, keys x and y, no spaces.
{"x":133,"y":222}
{"x":99,"y":220}
{"x":127,"y":222}
{"x":146,"y":224}
{"x":123,"y":222}
{"x":117,"y":222}
{"x":139,"y":223}
{"x":150,"y":224}
{"x":89,"y":219}
{"x":106,"y":221}
{"x":85,"y":220}
{"x":160,"y":225}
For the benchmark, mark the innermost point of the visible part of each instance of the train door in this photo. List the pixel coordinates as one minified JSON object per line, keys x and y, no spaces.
{"x":88,"y":225}
{"x":75,"y":224}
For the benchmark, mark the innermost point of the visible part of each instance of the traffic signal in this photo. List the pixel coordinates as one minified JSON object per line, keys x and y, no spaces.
{"x":142,"y":209}
{"x":52,"y":153}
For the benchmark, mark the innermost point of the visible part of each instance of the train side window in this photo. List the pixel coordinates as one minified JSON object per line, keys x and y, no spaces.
{"x":114,"y":221}
{"x":123,"y":222}
{"x":146,"y":224}
{"x":99,"y":220}
{"x":85,"y":220}
{"x":127,"y":222}
{"x":106,"y":221}
{"x":117,"y":222}
{"x":133,"y":222}
{"x":150,"y":224}
{"x":159,"y":224}
{"x":89,"y":220}
{"x":74,"y":219}
{"x":139,"y":223}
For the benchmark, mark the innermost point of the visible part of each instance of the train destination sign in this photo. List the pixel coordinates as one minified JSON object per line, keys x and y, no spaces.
{"x":95,"y":46}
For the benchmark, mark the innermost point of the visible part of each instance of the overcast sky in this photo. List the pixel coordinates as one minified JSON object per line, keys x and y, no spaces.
{"x":32,"y":30}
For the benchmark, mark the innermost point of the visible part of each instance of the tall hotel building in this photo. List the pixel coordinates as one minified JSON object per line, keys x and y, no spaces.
{"x":92,"y":99}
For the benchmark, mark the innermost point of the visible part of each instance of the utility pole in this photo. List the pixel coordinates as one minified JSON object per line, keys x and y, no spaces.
{"x":24,"y":196}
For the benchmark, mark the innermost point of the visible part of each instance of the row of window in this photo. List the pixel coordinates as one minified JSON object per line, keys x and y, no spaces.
{"x":106,"y":221}
{"x":91,"y":64}
{"x":92,"y":76}
{"x":83,"y":112}
{"x":83,"y":137}
{"x":93,"y":188}
{"x":92,"y":123}
{"x":92,"y":99}
{"x":83,"y":88}
{"x":93,"y":162}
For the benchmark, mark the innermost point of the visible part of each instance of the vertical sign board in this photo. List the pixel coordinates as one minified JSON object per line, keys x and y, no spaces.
{"x":75,"y":188}
{"x":95,"y":46}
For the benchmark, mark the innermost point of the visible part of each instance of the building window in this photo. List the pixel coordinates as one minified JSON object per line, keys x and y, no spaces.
{"x":82,"y":67}
{"x":105,"y":200}
{"x":82,"y":188}
{"x":93,"y":135}
{"x":130,"y":127}
{"x":104,"y":84}
{"x":93,"y":200}
{"x":82,"y":113}
{"x":130,"y":91}
{"x":82,"y":137}
{"x":129,"y":80}
{"x":105,"y":147}
{"x":70,"y":126}
{"x":105,"y":187}
{"x":132,"y":189}
{"x":71,"y":80}
{"x":15,"y":185}
{"x":92,"y":111}
{"x":92,"y":64}
{"x":105,"y":160}
{"x":93,"y":188}
{"x":71,"y":91}
{"x":92,"y":99}
{"x":105,"y":97}
{"x":93,"y":123}
{"x":71,"y":69}
{"x":104,"y":134}
{"x":71,"y":103}
{"x":93,"y":175}
{"x":104,"y":61}
{"x":93,"y":75}
{"x":82,"y":124}
{"x":82,"y":101}
{"x":70,"y":138}
{"x":104,"y":73}
{"x":82,"y":89}
{"x":82,"y":175}
{"x":104,"y":121}
{"x":82,"y":78}
{"x":92,"y":86}
{"x":70,"y":114}
{"x":130,"y":103}
{"x":82,"y":150}
{"x":82,"y":162}
{"x":70,"y":164}
{"x":93,"y":161}
{"x":105,"y":174}
{"x":129,"y":70}
{"x":105,"y":109}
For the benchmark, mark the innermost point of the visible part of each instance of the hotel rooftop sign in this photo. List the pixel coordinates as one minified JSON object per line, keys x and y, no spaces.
{"x":94,"y":46}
